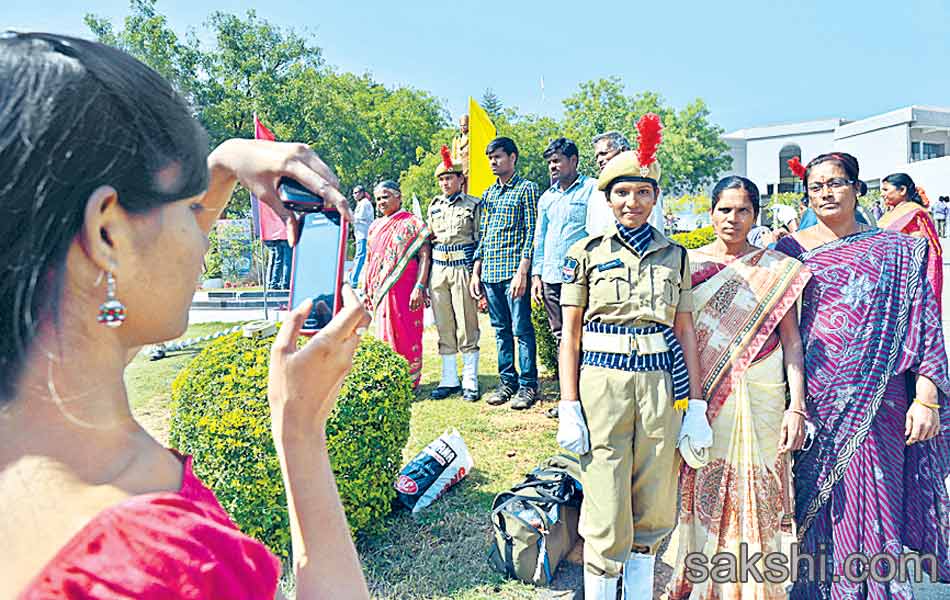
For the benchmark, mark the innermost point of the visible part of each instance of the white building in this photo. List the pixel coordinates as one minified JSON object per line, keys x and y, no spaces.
{"x":913,"y":140}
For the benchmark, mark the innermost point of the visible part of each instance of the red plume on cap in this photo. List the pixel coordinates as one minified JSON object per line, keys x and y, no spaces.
{"x":648,"y":138}
{"x":795,"y":164}
{"x":446,"y":157}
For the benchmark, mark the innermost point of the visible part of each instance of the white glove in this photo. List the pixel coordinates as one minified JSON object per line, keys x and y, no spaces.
{"x":696,"y":426}
{"x":572,"y":434}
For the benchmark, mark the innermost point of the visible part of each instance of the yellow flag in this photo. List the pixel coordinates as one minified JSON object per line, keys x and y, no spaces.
{"x":480,"y":132}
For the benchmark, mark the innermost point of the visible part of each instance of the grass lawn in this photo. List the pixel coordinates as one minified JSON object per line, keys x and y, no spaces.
{"x":441,"y":552}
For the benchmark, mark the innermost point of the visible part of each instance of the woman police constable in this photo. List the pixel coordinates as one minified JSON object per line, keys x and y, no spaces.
{"x":627,"y":302}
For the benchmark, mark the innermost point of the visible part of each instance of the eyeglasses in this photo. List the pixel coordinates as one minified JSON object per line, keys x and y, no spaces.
{"x":835,"y":184}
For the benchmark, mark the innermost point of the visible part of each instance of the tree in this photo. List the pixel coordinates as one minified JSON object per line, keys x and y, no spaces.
{"x":532,"y":135}
{"x":492,"y":104}
{"x":692,"y":155}
{"x":362,"y":129}
{"x":147,"y":36}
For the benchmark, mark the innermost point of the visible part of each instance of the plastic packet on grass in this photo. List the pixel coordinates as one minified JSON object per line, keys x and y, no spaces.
{"x":439,"y":466}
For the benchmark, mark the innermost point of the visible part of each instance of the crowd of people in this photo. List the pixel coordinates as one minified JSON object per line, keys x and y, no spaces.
{"x":796,"y":390}
{"x":647,"y":329}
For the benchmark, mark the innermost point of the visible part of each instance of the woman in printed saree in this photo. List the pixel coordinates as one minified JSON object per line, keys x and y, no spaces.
{"x":907,"y":213}
{"x":872,"y":481}
{"x":395,"y":278}
{"x":750,"y":356}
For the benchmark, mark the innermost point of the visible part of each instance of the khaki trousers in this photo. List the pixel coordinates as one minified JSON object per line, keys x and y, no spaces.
{"x":631,"y":474}
{"x":456,"y":313}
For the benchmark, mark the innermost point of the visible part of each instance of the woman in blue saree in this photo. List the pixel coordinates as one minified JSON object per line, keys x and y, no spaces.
{"x":872,"y":482}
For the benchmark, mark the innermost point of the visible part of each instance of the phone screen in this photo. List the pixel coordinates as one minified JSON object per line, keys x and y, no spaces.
{"x":318,"y":267}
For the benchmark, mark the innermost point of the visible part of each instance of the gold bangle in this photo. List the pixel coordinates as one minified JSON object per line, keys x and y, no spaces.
{"x":796,"y":411}
{"x":927,"y":404}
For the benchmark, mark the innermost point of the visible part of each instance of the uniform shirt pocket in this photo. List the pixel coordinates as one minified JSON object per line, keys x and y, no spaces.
{"x":462,"y":221}
{"x":437,"y":223}
{"x":611,"y":286}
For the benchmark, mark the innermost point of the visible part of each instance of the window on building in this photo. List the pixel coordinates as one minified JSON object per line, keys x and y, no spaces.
{"x":926,"y":151}
{"x":788,"y":182}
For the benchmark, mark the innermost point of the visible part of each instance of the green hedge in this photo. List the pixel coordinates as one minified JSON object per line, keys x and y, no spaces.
{"x":544,"y":337}
{"x":696,"y":238}
{"x":222,"y":418}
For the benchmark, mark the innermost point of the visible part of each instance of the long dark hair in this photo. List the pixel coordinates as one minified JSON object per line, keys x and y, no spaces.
{"x":76,"y":115}
{"x":736,"y":182}
{"x":904,"y":180}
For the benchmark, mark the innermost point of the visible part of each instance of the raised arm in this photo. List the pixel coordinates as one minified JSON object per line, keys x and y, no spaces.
{"x":258,"y":165}
{"x":303,"y":383}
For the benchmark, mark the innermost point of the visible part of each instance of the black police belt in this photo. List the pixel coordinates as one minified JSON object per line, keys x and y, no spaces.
{"x":453,"y":255}
{"x":650,"y":348}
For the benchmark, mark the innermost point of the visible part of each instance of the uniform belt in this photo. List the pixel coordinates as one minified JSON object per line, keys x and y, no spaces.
{"x":453,"y":255}
{"x":652,"y":348}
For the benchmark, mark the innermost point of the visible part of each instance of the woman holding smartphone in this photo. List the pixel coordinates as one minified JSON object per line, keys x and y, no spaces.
{"x":108,"y":195}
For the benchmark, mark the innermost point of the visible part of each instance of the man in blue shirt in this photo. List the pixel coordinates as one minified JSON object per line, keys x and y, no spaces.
{"x":503,"y":265}
{"x":562,"y":220}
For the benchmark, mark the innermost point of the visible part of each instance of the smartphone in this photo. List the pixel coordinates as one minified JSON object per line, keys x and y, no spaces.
{"x":298,"y":198}
{"x":317,"y":267}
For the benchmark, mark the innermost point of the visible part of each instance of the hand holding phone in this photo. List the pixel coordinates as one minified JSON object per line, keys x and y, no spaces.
{"x":298,"y":198}
{"x":317,"y":270}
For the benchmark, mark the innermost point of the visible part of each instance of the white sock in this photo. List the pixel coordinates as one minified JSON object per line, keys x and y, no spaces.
{"x":450,"y":375}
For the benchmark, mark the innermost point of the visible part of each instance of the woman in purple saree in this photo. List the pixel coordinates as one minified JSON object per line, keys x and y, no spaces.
{"x":872,"y":482}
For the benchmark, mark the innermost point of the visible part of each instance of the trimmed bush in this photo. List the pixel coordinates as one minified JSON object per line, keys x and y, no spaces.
{"x":544,"y":337}
{"x":221,"y":417}
{"x":695,"y":239}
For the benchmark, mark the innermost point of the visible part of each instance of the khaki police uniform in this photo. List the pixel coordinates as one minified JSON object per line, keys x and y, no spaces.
{"x":630,"y":474}
{"x":454,"y":223}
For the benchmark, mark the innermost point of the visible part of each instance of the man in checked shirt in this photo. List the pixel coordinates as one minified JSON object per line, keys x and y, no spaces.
{"x":502,"y":270}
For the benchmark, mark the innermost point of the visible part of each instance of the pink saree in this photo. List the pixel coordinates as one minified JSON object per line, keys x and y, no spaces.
{"x":913,"y":219}
{"x":389,"y":277}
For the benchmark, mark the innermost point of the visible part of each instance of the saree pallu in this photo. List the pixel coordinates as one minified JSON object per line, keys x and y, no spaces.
{"x":869,"y":324}
{"x":913,"y":219}
{"x":743,"y":496}
{"x":389,"y":278}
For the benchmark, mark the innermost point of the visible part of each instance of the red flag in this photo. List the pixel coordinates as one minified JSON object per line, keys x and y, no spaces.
{"x":271,"y":226}
{"x":261,"y":132}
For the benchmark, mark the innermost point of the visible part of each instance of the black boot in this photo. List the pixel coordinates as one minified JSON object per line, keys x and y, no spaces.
{"x":441,"y":393}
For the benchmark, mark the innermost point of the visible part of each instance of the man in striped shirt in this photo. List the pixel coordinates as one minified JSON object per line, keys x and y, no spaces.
{"x":502,"y":269}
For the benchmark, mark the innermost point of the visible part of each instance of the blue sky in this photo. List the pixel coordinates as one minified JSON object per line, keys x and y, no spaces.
{"x":753,"y":62}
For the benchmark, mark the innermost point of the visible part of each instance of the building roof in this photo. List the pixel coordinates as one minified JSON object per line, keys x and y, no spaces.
{"x":920,"y":116}
{"x":785,"y":129}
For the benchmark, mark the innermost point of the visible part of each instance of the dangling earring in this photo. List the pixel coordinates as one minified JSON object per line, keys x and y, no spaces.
{"x":111,"y":312}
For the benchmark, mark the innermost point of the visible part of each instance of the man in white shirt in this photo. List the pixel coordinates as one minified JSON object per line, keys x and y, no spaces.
{"x":606,"y":146}
{"x":363,"y":216}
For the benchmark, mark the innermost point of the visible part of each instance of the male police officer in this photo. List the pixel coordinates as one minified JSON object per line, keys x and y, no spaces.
{"x":454,"y":221}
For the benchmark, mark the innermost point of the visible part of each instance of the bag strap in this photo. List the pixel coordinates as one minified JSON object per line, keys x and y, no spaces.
{"x":509,"y":542}
{"x":542,"y":496}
